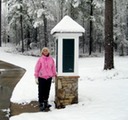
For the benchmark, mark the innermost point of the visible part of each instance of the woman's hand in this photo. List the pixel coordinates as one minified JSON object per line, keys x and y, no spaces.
{"x":36,"y":80}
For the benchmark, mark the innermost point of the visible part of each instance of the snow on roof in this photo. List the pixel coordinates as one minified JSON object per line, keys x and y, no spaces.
{"x":67,"y":24}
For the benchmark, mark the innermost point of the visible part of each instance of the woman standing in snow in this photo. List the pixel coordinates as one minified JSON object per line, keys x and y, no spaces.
{"x":44,"y":71}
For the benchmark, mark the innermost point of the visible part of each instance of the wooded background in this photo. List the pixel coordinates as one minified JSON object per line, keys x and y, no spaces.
{"x":27,"y":23}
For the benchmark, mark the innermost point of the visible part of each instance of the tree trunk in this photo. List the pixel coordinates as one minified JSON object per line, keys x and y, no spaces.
{"x":109,"y":44}
{"x":0,"y":23}
{"x":45,"y":31}
{"x":16,"y":40}
{"x":83,"y":37}
{"x":61,"y":8}
{"x":35,"y":34}
{"x":21,"y":19}
{"x":21,"y":25}
{"x":91,"y":29}
{"x":127,"y":23}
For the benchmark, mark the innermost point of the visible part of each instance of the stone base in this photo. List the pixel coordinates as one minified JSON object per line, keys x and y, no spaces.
{"x":66,"y":91}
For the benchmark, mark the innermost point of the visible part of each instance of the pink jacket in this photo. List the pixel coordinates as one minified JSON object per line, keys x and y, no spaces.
{"x":45,"y":67}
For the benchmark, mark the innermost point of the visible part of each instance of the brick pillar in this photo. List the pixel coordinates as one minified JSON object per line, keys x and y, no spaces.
{"x":66,"y":91}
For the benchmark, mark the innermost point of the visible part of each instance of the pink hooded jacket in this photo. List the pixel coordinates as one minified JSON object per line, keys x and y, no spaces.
{"x":45,"y":67}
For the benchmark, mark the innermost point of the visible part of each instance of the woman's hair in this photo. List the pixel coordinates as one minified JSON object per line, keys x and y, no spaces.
{"x":45,"y":48}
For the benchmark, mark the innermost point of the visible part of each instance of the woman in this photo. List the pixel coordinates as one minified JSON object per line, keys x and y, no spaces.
{"x":44,"y":71}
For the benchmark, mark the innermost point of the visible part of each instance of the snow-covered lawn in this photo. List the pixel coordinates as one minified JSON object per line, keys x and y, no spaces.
{"x":103,"y":95}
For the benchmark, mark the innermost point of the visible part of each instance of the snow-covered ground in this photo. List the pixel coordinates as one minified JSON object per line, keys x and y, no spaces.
{"x":103,"y":95}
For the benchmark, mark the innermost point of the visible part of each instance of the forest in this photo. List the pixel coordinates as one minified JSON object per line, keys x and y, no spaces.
{"x":27,"y":24}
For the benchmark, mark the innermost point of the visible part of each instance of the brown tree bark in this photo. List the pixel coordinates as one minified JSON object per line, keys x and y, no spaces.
{"x":91,"y":30}
{"x":45,"y":31}
{"x":21,"y":25}
{"x":0,"y":23}
{"x":109,"y":44}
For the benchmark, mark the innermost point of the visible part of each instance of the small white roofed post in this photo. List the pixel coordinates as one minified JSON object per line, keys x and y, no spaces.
{"x":67,"y":33}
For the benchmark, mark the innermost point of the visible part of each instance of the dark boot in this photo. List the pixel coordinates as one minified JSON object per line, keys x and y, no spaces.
{"x":42,"y":106}
{"x":46,"y":104}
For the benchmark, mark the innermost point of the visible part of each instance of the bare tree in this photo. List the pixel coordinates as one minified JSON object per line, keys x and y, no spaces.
{"x":109,"y":44}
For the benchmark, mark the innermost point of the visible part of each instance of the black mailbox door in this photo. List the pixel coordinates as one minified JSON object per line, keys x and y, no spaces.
{"x":68,"y":55}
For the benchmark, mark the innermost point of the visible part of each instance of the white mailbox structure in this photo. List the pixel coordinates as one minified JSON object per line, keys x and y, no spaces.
{"x":67,"y":33}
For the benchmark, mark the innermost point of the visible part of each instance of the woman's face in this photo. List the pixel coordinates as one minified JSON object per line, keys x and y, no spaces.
{"x":45,"y":52}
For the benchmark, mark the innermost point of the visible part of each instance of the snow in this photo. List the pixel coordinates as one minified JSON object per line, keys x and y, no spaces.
{"x":103,"y":95}
{"x":40,"y":13}
{"x":67,"y":24}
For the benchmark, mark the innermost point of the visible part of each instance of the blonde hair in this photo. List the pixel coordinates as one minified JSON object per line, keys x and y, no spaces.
{"x":45,"y":48}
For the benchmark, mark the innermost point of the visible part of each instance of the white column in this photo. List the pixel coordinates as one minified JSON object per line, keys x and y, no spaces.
{"x":59,"y":55}
{"x":76,"y":56}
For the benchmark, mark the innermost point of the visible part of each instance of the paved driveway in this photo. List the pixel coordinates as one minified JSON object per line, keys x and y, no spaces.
{"x":9,"y":77}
